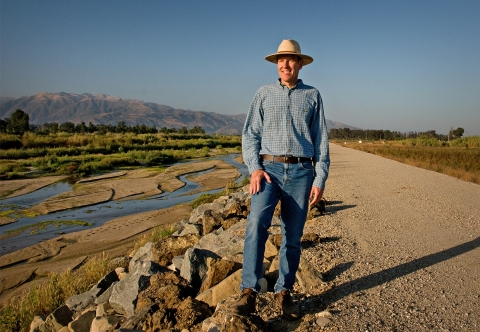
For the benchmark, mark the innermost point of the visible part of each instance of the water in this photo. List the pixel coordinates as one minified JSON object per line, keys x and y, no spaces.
{"x":97,"y":214}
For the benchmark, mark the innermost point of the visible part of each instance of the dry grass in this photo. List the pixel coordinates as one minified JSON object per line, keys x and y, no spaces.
{"x":42,"y":299}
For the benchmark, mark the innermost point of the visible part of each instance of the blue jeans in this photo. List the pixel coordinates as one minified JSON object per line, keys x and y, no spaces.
{"x":291,"y":184}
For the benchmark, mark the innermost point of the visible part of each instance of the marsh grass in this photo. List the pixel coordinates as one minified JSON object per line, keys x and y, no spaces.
{"x":79,"y":155}
{"x":45,"y":297}
{"x":459,"y":158}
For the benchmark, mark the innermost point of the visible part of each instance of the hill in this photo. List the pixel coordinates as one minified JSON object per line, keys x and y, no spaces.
{"x":104,"y":109}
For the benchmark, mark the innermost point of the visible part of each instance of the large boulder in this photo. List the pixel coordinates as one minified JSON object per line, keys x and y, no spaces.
{"x":168,"y":247}
{"x":125,"y":293}
{"x":218,"y":270}
{"x":194,"y":267}
{"x":224,"y":243}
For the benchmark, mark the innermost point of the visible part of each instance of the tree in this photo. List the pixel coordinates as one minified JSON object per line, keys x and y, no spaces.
{"x":457,"y":133}
{"x":3,"y":125}
{"x":19,"y":123}
{"x":67,"y":127}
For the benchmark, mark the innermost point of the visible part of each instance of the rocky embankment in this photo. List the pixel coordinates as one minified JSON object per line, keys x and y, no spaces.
{"x":184,"y":281}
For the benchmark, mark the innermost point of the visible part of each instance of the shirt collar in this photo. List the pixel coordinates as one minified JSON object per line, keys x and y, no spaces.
{"x":297,"y":86}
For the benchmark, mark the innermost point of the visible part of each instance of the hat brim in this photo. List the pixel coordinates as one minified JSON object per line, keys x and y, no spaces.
{"x":306,"y":58}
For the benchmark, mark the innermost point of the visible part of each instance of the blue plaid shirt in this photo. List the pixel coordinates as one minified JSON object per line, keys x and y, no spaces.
{"x":287,"y":122}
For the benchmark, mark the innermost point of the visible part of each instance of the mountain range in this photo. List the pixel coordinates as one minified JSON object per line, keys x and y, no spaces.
{"x":104,"y":109}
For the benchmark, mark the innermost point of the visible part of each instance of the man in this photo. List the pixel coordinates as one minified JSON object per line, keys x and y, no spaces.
{"x":285,"y":147}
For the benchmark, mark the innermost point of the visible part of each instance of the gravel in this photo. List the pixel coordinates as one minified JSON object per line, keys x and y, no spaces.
{"x":399,"y":251}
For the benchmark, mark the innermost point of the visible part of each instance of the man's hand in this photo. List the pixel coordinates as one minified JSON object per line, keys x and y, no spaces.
{"x":256,"y":180}
{"x":315,"y":195}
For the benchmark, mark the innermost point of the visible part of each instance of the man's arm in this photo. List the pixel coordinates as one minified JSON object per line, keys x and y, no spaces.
{"x":251,"y":143}
{"x":321,"y":156}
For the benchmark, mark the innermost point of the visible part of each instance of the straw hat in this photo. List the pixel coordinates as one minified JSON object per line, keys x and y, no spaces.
{"x":289,"y":46}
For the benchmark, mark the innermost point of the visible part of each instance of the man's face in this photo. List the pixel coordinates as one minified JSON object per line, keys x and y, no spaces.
{"x":288,"y":67}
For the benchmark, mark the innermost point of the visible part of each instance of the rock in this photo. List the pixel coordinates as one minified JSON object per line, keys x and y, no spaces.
{"x":168,"y":247}
{"x":323,"y":321}
{"x":310,"y":239}
{"x":38,"y":324}
{"x":178,"y":261}
{"x":143,"y":261}
{"x":309,"y":279}
{"x":136,"y":321}
{"x":211,"y":220}
{"x":323,"y":314}
{"x":217,"y":270}
{"x":317,"y":210}
{"x":238,"y":258}
{"x":191,"y":312}
{"x":196,"y":215}
{"x":263,"y":285}
{"x":102,"y":324}
{"x":105,"y":297}
{"x":125,"y":293}
{"x":83,"y":322}
{"x":277,"y":240}
{"x":227,"y":287}
{"x":166,"y":289}
{"x":78,"y":303}
{"x":189,"y":229}
{"x":59,"y":318}
{"x":227,"y":223}
{"x":107,"y":281}
{"x":271,"y":250}
{"x":233,"y":209}
{"x":272,"y":275}
{"x":102,"y":309}
{"x":224,"y":243}
{"x":194,"y":267}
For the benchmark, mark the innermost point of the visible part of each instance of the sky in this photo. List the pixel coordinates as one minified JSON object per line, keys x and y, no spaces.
{"x":397,"y":65}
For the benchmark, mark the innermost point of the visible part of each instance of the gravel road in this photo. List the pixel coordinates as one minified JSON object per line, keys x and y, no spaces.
{"x":401,"y":249}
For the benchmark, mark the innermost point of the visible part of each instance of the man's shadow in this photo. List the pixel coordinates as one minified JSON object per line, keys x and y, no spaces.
{"x":390,"y":274}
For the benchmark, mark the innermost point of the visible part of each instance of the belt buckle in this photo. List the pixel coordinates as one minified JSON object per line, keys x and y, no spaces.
{"x":285,"y":159}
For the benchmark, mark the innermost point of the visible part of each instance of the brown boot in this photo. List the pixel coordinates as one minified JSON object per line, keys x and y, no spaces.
{"x":246,"y":304}
{"x":290,"y":310}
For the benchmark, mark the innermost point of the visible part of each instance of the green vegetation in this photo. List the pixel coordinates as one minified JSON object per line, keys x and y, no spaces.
{"x":81,"y":154}
{"x":42,"y":299}
{"x":42,"y":225}
{"x":459,"y":158}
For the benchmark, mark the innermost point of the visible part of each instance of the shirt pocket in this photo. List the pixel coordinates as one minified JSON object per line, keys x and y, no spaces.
{"x":273,"y":117}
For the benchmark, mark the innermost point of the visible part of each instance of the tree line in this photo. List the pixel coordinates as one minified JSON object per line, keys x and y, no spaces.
{"x":19,"y":123}
{"x":375,"y":135}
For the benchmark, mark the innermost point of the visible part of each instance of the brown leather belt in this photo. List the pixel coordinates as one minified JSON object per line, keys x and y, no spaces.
{"x":285,"y":159}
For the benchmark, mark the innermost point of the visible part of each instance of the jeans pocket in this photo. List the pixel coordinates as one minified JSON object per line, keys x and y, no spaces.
{"x":307,"y":165}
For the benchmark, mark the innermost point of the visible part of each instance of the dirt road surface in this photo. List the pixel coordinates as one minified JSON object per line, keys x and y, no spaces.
{"x":402,"y":248}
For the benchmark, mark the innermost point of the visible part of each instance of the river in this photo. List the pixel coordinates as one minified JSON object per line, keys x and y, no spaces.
{"x":97,"y":214}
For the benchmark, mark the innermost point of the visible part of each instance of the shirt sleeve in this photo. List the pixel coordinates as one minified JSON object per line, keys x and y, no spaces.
{"x":321,"y":156}
{"x":252,"y":134}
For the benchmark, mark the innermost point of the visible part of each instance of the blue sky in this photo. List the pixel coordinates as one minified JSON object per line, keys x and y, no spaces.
{"x":397,"y":65}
